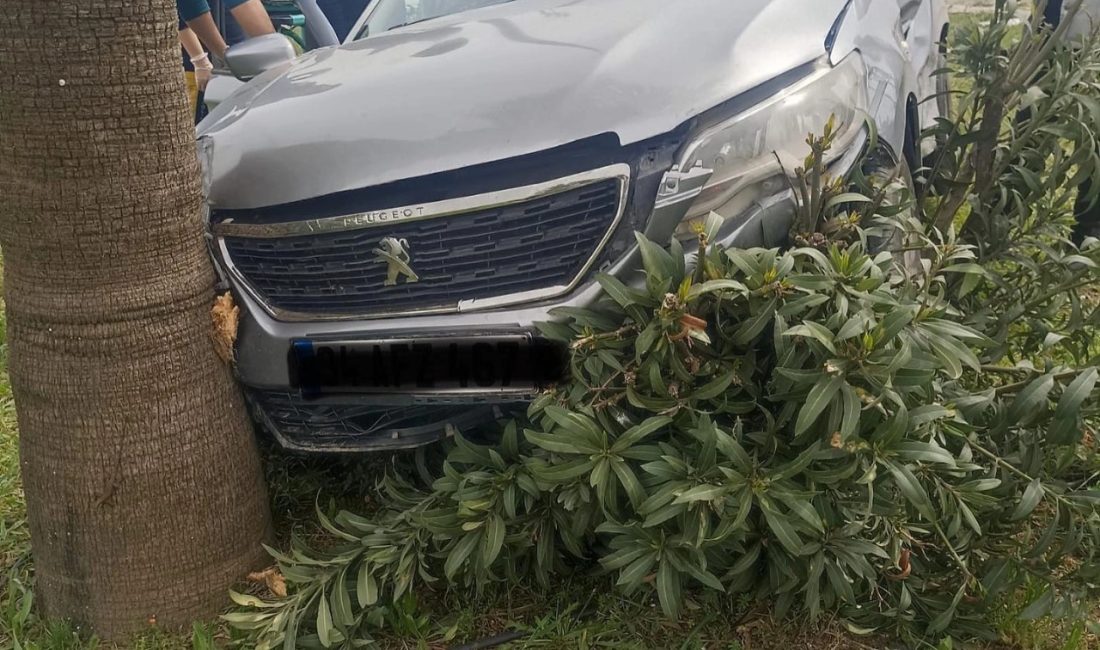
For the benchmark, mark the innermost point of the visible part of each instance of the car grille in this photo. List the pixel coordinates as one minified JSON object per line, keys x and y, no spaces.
{"x":350,"y":424}
{"x":538,"y":244}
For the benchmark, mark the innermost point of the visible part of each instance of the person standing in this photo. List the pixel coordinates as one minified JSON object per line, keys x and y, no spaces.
{"x":1083,"y":26}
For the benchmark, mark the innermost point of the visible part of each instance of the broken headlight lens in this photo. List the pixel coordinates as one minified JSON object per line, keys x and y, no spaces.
{"x":741,"y":160}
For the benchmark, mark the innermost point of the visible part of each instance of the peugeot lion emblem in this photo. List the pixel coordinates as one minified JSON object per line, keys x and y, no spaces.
{"x":395,"y":253}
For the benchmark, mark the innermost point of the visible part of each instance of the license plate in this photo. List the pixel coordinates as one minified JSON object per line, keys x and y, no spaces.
{"x":482,"y":365}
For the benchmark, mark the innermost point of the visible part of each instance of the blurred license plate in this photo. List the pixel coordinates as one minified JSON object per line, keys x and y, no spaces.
{"x":482,"y":365}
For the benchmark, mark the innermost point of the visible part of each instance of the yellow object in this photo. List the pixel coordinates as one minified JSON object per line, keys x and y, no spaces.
{"x":192,"y":89}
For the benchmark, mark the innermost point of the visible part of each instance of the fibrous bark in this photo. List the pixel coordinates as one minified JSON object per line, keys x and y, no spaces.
{"x":143,"y":483}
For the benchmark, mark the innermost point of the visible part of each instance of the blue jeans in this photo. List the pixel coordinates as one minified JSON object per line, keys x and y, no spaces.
{"x":230,"y":29}
{"x":342,"y":14}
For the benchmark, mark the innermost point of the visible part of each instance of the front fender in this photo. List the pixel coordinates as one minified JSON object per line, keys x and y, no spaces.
{"x":874,"y":28}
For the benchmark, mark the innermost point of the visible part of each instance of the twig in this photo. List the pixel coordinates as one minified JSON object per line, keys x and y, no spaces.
{"x":1020,"y":385}
{"x":588,"y":340}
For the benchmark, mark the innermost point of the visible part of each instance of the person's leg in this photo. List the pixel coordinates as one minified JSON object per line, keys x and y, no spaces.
{"x":1052,"y":13}
{"x":231,"y":30}
{"x":1087,"y":213}
{"x":251,"y":16}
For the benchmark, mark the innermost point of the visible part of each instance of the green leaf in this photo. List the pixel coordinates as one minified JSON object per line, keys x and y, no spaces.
{"x":940,"y":622}
{"x":897,"y":320}
{"x":754,"y":326}
{"x":967,"y":267}
{"x":714,"y":286}
{"x":1075,"y":395}
{"x":702,"y":493}
{"x":915,"y":450}
{"x":341,"y":602}
{"x":656,"y":260}
{"x":783,"y":530}
{"x":816,"y":331}
{"x":622,"y":294}
{"x":1039,"y":607}
{"x":663,"y":514}
{"x":244,"y":620}
{"x":600,"y":472}
{"x":968,"y":517}
{"x":855,"y":326}
{"x":805,"y":510}
{"x":634,"y":490}
{"x":460,"y":553}
{"x":912,"y":490}
{"x":668,"y":589}
{"x":563,"y":472}
{"x":952,"y":329}
{"x":366,"y":587}
{"x":324,"y":622}
{"x":796,"y":466}
{"x":1033,"y":494}
{"x":636,"y":434}
{"x":848,"y":197}
{"x":799,"y":305}
{"x":494,"y":540}
{"x":853,"y":409}
{"x":573,"y":422}
{"x":715,"y":387}
{"x":704,"y":577}
{"x":633,"y":575}
{"x":1031,"y":401}
{"x":747,"y":560}
{"x":556,"y":331}
{"x":245,"y":600}
{"x":560,"y":443}
{"x":646,"y":340}
{"x":623,"y":557}
{"x":928,"y":413}
{"x":821,"y":395}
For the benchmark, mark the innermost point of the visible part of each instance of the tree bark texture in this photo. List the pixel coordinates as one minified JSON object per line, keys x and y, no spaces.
{"x":144,"y":486}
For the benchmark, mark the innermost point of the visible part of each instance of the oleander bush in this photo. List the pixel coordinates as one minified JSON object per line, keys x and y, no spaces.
{"x":893,"y":421}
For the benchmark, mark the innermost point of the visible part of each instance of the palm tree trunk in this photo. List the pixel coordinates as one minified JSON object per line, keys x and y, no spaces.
{"x":144,"y":487}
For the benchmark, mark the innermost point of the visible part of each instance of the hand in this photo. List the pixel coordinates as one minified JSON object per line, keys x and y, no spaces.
{"x":204,"y":69}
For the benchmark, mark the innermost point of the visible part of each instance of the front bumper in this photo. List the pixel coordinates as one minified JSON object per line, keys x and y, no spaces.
{"x":358,"y":422}
{"x":355,"y":422}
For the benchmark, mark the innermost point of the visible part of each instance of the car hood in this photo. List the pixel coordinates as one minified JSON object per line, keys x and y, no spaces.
{"x":495,"y":83}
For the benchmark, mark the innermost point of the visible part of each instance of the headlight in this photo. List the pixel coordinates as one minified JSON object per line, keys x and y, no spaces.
{"x":742,"y":159}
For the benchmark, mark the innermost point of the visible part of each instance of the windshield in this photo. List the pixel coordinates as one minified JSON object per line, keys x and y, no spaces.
{"x":389,"y":14}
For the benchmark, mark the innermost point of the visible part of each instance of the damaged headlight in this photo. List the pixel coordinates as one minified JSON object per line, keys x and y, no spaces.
{"x":740,"y":160}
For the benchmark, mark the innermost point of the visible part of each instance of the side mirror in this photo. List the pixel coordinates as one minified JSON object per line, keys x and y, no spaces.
{"x":249,"y":58}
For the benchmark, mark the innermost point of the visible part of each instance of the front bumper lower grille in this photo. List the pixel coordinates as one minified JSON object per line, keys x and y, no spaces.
{"x":546,"y":243}
{"x":334,"y":425}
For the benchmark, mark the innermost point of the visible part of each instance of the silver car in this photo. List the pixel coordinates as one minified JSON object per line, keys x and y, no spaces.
{"x":395,"y":215}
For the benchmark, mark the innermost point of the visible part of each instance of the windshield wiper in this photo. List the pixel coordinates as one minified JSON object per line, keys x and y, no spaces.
{"x":411,"y":22}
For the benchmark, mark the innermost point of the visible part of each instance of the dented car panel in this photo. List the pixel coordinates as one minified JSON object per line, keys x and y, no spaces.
{"x":461,"y":178}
